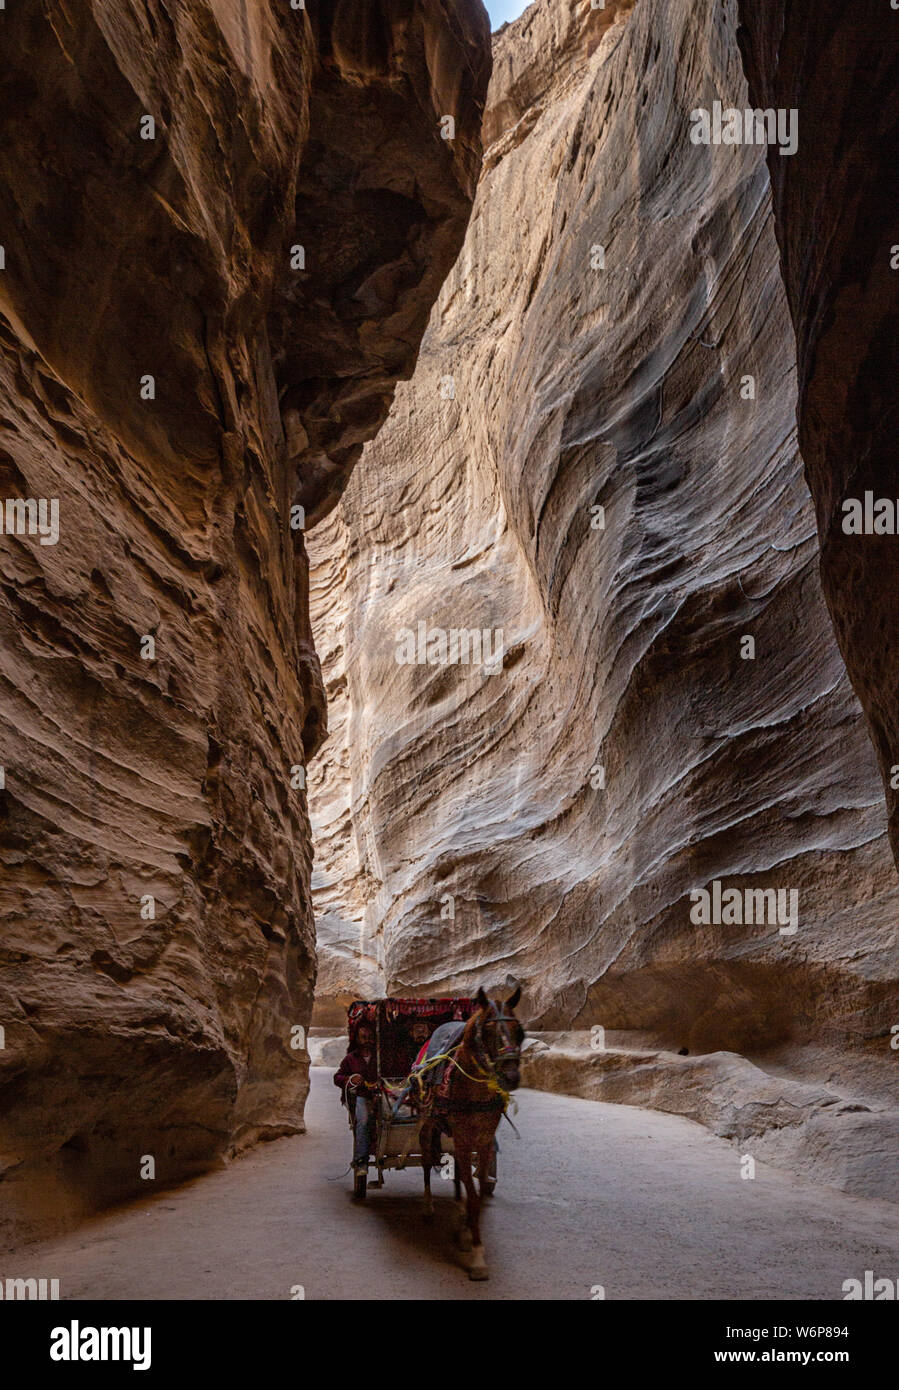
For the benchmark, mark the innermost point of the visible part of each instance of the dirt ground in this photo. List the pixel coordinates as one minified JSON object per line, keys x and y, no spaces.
{"x":643,"y":1204}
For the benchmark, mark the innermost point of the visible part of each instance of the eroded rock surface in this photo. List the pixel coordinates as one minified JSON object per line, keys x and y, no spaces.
{"x":817,"y":1130}
{"x":835,"y":206}
{"x":170,"y":249}
{"x":548,"y":386}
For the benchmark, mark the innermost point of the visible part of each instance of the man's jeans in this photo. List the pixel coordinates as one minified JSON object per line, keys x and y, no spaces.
{"x":365,"y":1124}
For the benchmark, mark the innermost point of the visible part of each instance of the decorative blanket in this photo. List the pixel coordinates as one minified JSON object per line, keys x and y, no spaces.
{"x":434,"y":1077}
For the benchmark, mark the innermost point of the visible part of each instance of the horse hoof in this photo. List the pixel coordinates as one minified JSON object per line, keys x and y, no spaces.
{"x":478,"y":1272}
{"x":478,"y":1267}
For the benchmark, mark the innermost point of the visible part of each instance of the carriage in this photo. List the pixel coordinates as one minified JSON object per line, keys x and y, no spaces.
{"x":397,"y":1117}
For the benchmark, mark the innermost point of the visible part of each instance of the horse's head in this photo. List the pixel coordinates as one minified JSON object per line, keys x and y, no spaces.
{"x":495,"y":1036}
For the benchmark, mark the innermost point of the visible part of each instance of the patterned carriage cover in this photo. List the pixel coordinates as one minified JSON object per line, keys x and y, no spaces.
{"x":392,"y":1010}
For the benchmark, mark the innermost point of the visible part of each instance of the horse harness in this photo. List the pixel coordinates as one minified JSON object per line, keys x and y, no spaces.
{"x":508,"y":1051}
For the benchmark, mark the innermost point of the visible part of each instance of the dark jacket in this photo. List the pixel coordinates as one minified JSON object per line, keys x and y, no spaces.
{"x":354,"y":1062}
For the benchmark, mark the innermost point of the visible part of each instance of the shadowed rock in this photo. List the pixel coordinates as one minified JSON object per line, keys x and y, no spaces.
{"x":835,"y":206}
{"x":269,"y":258}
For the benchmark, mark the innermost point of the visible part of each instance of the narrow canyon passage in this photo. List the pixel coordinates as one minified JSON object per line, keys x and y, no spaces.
{"x":448,"y":575}
{"x":644,"y":1204}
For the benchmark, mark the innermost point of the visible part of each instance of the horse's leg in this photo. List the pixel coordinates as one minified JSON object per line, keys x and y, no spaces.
{"x":464,"y":1155}
{"x":427,"y":1158}
{"x":491,"y":1170}
{"x":463,"y":1234}
{"x":485,"y":1153}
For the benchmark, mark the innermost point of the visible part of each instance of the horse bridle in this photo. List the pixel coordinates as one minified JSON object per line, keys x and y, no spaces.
{"x":508,"y":1051}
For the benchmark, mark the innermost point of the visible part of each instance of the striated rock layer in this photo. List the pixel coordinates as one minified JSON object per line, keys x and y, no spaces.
{"x":592,"y":348}
{"x":835,"y":209}
{"x":157,"y":949}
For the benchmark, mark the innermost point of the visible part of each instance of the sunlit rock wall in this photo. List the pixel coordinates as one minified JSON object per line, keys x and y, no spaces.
{"x":618,"y":288}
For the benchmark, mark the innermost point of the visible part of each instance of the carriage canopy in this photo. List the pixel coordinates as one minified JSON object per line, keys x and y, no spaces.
{"x":392,"y":1019}
{"x":433,"y":1011}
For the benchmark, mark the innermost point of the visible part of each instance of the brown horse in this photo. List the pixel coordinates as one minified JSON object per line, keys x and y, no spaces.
{"x":483,"y":1071}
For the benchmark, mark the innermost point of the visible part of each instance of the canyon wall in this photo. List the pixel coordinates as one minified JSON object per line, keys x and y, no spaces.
{"x":835,"y":210}
{"x":224,"y":225}
{"x":597,"y":454}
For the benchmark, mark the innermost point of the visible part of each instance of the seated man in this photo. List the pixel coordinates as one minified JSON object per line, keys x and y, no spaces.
{"x":357,"y":1077}
{"x":411,"y":1046}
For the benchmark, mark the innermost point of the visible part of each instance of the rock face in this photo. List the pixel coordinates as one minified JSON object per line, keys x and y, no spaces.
{"x":806,"y":1126}
{"x":672,"y":709}
{"x":834,"y":204}
{"x":224,"y":225}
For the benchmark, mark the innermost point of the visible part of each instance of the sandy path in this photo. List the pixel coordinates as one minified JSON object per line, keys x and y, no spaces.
{"x":645,"y":1204}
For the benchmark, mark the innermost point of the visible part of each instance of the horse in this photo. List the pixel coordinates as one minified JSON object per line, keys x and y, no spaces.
{"x":483,"y":1071}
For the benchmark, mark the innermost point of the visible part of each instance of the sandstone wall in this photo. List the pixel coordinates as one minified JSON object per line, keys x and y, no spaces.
{"x":835,"y":208}
{"x":170,"y":778}
{"x":621,"y":387}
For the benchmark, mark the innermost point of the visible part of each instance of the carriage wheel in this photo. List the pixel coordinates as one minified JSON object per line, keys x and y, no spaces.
{"x":360,"y":1184}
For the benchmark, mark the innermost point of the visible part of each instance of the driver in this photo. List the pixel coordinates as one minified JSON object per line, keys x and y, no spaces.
{"x":357,"y":1077}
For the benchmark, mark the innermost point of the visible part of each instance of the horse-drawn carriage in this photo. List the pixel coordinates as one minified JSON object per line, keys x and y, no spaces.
{"x":397,"y":1116}
{"x":447,"y":1096}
